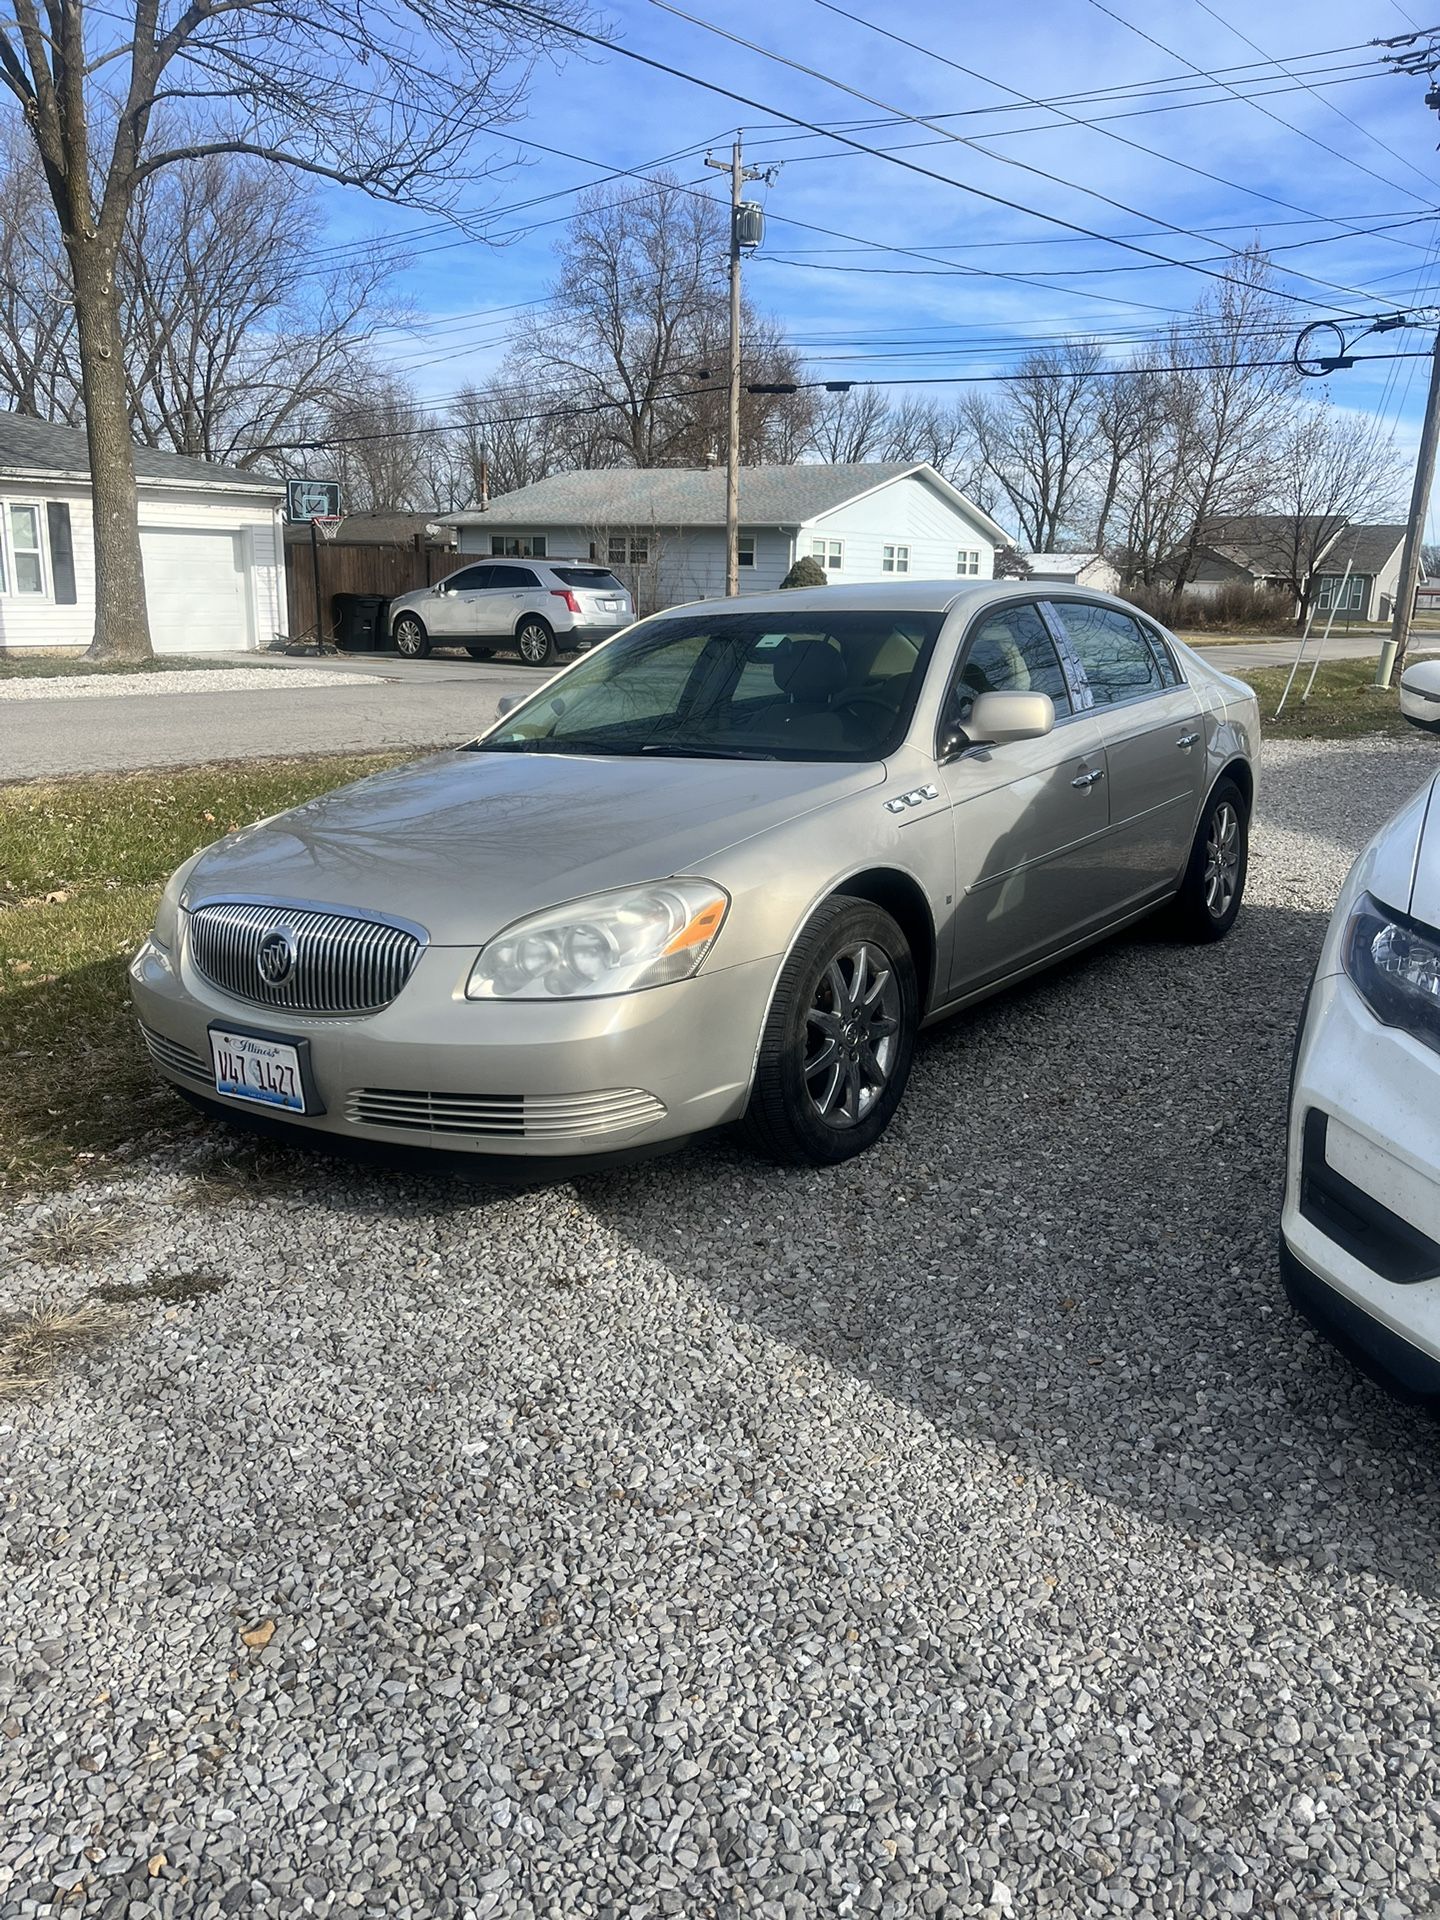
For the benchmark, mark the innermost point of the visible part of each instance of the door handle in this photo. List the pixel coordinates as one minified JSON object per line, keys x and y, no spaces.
{"x":1087,"y":780}
{"x":1186,"y":741}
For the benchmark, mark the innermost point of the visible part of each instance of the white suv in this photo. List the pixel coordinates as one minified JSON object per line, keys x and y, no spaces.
{"x":539,"y":607}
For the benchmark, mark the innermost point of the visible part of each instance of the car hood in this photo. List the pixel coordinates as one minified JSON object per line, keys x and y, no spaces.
{"x":464,"y":843}
{"x":1413,"y":849}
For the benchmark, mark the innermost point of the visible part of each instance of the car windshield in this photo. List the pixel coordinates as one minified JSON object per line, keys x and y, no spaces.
{"x":733,"y":685}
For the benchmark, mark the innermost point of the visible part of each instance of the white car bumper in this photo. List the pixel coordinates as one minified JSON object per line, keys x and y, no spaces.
{"x":1360,"y":1234}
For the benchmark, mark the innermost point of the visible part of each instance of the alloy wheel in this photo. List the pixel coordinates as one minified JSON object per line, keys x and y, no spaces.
{"x":408,"y":639}
{"x":534,"y":644}
{"x":851,"y":1034}
{"x":1222,"y":860}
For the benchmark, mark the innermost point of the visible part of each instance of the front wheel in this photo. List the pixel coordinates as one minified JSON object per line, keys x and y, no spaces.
{"x":839,"y":1040}
{"x":535,"y":641}
{"x":411,"y":640}
{"x":1214,"y":884}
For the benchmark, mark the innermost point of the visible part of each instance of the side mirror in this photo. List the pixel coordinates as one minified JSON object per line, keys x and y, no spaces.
{"x":998,"y":718}
{"x":438,"y":588}
{"x":508,"y":704}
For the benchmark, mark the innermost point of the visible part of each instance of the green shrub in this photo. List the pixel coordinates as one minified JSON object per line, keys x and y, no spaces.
{"x":806,"y":572}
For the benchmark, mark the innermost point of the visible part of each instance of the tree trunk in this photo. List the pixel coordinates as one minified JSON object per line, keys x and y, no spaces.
{"x":122,"y":627}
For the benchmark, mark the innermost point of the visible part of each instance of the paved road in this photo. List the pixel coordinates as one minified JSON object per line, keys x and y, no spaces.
{"x":412,"y":704}
{"x":420,"y":704}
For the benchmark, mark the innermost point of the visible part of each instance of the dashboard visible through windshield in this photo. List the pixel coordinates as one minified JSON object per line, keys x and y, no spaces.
{"x":749,"y":686}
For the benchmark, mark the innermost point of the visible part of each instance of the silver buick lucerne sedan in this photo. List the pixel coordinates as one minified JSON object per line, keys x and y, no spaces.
{"x":722,"y":868}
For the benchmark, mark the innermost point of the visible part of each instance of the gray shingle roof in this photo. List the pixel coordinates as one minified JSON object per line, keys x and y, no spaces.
{"x":683,"y":496}
{"x":41,"y":448}
{"x":1367,"y":548}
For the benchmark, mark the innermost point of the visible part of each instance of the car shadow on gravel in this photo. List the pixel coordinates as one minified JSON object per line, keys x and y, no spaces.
{"x":1064,"y":1253}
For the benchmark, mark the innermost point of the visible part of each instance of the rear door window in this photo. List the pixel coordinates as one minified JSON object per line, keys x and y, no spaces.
{"x":593,"y":579}
{"x":1115,"y":656}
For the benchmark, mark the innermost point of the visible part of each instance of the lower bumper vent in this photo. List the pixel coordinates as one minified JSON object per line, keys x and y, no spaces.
{"x":572,"y":1116}
{"x":176,"y":1058}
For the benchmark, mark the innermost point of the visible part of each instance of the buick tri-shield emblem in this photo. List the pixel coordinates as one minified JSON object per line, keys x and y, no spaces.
{"x":275,"y":957}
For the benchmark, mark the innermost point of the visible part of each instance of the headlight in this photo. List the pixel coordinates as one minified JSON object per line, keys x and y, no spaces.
{"x":167,"y":915}
{"x":610,"y":943}
{"x":1395,"y":966}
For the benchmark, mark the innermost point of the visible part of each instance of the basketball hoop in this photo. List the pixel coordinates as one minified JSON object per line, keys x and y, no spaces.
{"x":327,"y":525}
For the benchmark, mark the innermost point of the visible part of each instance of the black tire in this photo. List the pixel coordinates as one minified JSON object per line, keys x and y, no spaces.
{"x":412,"y":642}
{"x":535,"y":639}
{"x":787,"y":1119}
{"x":1214,"y":885}
{"x":480,"y":653}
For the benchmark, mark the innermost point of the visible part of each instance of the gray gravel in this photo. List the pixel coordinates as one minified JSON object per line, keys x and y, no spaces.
{"x":969,"y":1531}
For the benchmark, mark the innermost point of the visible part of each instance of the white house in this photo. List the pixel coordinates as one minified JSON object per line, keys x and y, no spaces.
{"x":211,"y":539}
{"x":1075,"y":570}
{"x":663,"y":528}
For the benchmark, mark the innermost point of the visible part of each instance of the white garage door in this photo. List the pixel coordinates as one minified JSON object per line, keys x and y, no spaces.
{"x":195,"y":589}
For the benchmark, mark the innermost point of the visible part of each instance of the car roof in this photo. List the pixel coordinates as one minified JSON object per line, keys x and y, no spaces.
{"x":902,"y":596}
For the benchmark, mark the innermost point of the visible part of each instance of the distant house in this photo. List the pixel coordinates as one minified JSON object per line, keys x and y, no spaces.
{"x":663,"y":528}
{"x":1254,"y":550}
{"x":210,"y":539}
{"x":1075,"y":570}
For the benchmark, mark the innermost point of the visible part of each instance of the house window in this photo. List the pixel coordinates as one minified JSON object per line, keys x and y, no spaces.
{"x":1352,"y":593}
{"x":745,"y":548}
{"x":967,"y":561}
{"x":830,"y":554}
{"x":22,"y":561}
{"x":895,"y":559}
{"x":518,"y":546}
{"x":634,"y":552}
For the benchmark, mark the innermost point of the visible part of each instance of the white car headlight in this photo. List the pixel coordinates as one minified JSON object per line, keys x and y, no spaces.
{"x":1394,"y":963}
{"x":609,"y":943}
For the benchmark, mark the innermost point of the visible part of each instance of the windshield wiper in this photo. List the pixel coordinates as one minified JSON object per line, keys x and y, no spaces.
{"x":677,"y":750}
{"x":546,"y":744}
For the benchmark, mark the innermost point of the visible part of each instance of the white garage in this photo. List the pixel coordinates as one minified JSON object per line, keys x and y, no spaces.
{"x":211,"y":538}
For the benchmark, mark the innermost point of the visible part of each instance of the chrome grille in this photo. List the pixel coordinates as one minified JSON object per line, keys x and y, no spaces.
{"x":176,"y":1058}
{"x":343,"y":964}
{"x":521,"y":1116}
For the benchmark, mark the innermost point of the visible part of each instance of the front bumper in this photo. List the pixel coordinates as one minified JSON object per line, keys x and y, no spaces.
{"x":1360,"y":1231}
{"x":555,"y":1079}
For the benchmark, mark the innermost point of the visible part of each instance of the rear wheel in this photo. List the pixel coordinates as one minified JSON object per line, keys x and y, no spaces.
{"x":535,"y":640}
{"x":839,"y":1039}
{"x":1214,"y":885}
{"x":480,"y":653}
{"x":411,"y":640}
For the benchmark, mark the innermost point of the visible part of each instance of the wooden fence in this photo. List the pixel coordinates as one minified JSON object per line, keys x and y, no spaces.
{"x":381,"y":567}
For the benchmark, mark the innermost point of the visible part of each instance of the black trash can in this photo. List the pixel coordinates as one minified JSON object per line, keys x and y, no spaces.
{"x":359,"y":621}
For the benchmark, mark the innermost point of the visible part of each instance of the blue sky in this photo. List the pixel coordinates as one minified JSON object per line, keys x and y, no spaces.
{"x":1378,"y":167}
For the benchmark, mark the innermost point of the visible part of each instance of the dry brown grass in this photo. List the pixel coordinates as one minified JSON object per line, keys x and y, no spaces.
{"x":76,"y":1239}
{"x":39,"y":1342}
{"x":243,"y":1172}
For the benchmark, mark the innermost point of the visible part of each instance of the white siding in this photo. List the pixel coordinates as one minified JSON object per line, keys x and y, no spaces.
{"x":906,"y":512}
{"x":183,"y":600}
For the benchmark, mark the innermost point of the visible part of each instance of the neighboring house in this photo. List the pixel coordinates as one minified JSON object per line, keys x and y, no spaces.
{"x":210,"y":538}
{"x":379,"y":529}
{"x":1255,"y":550}
{"x":663,"y":528}
{"x":1075,"y":570}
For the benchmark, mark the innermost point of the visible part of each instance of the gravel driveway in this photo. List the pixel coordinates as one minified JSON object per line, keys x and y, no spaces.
{"x":971,"y":1530}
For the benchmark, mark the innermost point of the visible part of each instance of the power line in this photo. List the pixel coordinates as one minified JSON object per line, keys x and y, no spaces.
{"x":1153,"y":153}
{"x":1339,"y":112}
{"x":909,"y":166}
{"x":841,"y":86}
{"x":1324,"y":145}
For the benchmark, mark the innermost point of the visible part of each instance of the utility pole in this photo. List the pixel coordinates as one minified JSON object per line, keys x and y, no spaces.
{"x":739,"y":174}
{"x":1392,"y":654}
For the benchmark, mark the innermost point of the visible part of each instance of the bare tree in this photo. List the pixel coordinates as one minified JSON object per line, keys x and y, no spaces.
{"x":37,"y":316}
{"x":1331,"y":469}
{"x":850,"y":426}
{"x":1036,"y":440}
{"x":385,"y":98}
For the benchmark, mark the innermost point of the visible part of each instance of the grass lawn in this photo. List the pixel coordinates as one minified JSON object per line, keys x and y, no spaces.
{"x":82,"y":863}
{"x":1343,"y":704}
{"x":54,"y":666}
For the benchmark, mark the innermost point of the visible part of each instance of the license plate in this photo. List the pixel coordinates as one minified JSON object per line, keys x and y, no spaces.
{"x":611,"y":606}
{"x":248,"y":1066}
